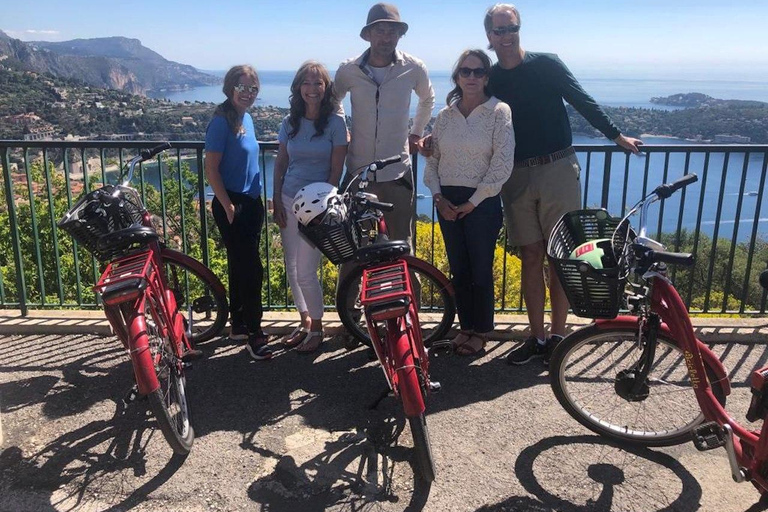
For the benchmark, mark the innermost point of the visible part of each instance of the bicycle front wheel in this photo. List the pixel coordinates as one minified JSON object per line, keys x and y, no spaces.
{"x":437,"y":304}
{"x":169,"y":401}
{"x":200,"y":295}
{"x":422,"y":447}
{"x":586,"y":377}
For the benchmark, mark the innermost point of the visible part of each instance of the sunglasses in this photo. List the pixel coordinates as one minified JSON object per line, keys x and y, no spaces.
{"x":253,"y":89}
{"x":478,"y":72}
{"x":509,"y":29}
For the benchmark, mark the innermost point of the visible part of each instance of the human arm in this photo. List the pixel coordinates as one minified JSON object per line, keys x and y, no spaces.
{"x":281,"y":166}
{"x":340,"y":142}
{"x":432,"y":178}
{"x":426,"y":95}
{"x":212,"y":174}
{"x":338,"y":155}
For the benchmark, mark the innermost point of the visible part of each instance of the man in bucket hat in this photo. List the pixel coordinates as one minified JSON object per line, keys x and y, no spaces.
{"x":380,"y":82}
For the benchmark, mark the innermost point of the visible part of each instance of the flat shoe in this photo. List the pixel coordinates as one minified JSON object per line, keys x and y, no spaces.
{"x":311,"y":342}
{"x":296,"y":337}
{"x":460,"y":339}
{"x":468,"y":347}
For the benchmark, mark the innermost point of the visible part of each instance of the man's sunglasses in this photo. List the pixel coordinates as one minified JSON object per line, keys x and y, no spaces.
{"x":509,"y":29}
{"x":253,"y":89}
{"x":478,"y":72}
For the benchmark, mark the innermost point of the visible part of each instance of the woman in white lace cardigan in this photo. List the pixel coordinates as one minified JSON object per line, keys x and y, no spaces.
{"x":473,"y":146}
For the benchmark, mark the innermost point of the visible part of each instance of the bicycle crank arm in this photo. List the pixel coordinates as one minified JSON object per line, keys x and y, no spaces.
{"x":738,"y":473}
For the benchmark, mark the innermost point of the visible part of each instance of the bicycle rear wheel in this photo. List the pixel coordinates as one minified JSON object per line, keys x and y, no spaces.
{"x":199,"y":294}
{"x":585,"y":372}
{"x":437,"y":304}
{"x":169,"y":401}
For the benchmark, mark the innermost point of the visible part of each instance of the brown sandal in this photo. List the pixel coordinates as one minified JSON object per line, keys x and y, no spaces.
{"x":461,"y":338}
{"x":470,"y":347}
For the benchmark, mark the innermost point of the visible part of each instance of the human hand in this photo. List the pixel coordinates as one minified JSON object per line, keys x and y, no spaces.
{"x":446,"y":209}
{"x":464,"y":210}
{"x":413,"y":143}
{"x":230,"y":211}
{"x":278,"y":213}
{"x":425,"y":146}
{"x":629,"y":143}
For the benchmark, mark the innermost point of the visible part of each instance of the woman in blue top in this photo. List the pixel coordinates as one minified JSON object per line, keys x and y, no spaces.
{"x":232,"y":169}
{"x":313,"y":145}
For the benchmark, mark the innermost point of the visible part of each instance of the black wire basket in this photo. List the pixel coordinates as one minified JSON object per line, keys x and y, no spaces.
{"x":592,"y":292}
{"x":337,"y":237}
{"x":101,"y":212}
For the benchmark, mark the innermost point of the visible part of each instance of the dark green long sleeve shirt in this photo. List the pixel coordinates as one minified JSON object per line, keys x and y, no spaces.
{"x":535,"y":91}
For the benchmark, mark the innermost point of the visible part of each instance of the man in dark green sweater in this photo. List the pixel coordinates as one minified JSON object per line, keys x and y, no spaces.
{"x":545,"y":181}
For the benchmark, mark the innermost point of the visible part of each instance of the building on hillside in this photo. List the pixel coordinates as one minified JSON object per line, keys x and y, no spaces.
{"x":726,"y":138}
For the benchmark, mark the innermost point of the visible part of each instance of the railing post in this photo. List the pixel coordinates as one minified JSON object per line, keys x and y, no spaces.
{"x":606,"y":179}
{"x":21,"y":285}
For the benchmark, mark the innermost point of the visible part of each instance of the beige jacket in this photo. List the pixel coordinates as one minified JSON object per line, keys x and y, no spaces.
{"x":380,"y":113}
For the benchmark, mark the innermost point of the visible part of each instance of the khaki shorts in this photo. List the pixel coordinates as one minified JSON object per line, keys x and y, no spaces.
{"x":534,"y":198}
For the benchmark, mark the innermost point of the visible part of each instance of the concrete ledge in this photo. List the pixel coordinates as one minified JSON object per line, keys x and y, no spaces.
{"x":515,"y":327}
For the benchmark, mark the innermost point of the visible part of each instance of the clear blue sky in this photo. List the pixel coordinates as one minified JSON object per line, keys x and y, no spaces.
{"x":649,"y":38}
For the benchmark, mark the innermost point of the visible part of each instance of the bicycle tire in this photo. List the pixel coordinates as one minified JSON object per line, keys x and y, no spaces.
{"x":194,"y":284}
{"x":422,"y":447}
{"x":169,"y":401}
{"x":437,"y":298}
{"x":583,"y":377}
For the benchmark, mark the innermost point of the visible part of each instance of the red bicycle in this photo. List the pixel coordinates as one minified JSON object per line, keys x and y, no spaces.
{"x":144,"y":288}
{"x":645,"y":378}
{"x":382,"y":289}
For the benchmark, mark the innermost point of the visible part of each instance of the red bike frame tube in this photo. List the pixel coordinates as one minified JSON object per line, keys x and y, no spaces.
{"x":407,"y":377}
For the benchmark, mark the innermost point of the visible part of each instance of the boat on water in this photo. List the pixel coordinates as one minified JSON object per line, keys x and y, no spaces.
{"x":420,"y":196}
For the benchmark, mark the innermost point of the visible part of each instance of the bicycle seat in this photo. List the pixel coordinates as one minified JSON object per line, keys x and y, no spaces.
{"x":382,"y":251}
{"x":126,"y":237}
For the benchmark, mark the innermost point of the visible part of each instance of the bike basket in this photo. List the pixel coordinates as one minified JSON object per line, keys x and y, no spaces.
{"x":336,"y":237}
{"x":592,"y":292}
{"x":101,"y":212}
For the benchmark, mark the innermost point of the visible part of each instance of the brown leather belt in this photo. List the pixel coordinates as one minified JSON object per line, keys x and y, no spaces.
{"x":546,"y":159}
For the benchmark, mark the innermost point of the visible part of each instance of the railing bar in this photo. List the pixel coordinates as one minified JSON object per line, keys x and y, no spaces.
{"x":646,"y":167}
{"x":182,"y":210}
{"x":103,"y":167}
{"x":625,"y":185}
{"x":265,"y":222}
{"x":753,"y":238}
{"x":203,"y":205}
{"x":76,"y":257}
{"x":735,"y":234}
{"x":161,"y":185}
{"x":11,"y":202}
{"x":587,"y":173}
{"x":35,"y":230}
{"x":607,"y":164}
{"x":697,"y":229}
{"x":664,"y":177}
{"x":680,"y":213}
{"x":54,"y":232}
{"x":718,"y":216}
{"x":87,"y":188}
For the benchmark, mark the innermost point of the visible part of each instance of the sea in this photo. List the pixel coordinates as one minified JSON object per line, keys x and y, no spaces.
{"x":717,"y":210}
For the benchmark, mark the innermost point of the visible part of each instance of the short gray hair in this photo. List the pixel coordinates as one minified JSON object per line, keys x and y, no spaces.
{"x":488,"y":22}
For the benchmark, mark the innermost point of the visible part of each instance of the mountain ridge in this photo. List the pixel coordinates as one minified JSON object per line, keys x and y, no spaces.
{"x":109,"y":62}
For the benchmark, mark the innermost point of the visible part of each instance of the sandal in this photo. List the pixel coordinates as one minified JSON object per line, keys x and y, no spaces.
{"x":471,"y":348}
{"x":296,"y":337}
{"x":461,"y":338}
{"x":311,"y":342}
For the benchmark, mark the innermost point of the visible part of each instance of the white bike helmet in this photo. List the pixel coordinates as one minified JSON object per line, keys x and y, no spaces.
{"x":313,"y":201}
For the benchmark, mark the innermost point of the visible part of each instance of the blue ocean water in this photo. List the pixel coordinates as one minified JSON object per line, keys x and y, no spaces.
{"x":716,"y":211}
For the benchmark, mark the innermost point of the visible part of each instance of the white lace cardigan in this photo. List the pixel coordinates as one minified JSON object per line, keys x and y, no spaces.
{"x":477,"y":151}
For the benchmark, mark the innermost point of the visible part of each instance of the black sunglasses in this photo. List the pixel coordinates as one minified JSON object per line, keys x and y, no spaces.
{"x":478,"y":72}
{"x":509,"y":29}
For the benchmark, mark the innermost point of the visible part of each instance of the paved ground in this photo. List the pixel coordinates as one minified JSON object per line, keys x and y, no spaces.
{"x":297,"y":433}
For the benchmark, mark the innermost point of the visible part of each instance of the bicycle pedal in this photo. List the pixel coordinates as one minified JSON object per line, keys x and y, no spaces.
{"x":192,"y":355}
{"x":435,"y":386}
{"x":439,"y":348}
{"x":708,"y":436}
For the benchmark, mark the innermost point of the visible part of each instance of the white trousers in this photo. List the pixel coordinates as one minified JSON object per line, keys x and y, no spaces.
{"x":302,"y":261}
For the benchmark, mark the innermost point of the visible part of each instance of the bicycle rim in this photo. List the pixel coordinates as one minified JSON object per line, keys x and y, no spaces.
{"x":584,"y":370}
{"x":422,"y":447}
{"x":437,"y":305}
{"x":199,"y":294}
{"x":169,"y":401}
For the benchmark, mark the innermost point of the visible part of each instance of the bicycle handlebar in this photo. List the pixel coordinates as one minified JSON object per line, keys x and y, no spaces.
{"x":374,"y":166}
{"x":666,"y":190}
{"x":143,"y":156}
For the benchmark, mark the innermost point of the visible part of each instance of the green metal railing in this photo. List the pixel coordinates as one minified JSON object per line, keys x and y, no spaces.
{"x":723,"y":218}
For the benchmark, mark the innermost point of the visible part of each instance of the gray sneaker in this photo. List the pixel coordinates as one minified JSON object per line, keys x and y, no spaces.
{"x":531,"y":348}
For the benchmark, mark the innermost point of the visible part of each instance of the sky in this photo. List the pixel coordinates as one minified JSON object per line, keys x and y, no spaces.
{"x":677,"y":39}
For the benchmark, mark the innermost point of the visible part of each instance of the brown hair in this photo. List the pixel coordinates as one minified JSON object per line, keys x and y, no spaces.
{"x":226,"y":108}
{"x":328,"y":105}
{"x":488,"y":21}
{"x":456,"y":93}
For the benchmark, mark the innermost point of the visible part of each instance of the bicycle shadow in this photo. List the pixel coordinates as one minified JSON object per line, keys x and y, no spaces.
{"x":87,"y":466}
{"x":569,"y":479}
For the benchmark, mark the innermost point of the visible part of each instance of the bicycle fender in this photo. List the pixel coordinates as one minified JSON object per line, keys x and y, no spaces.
{"x":141,"y":356}
{"x":709,"y":357}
